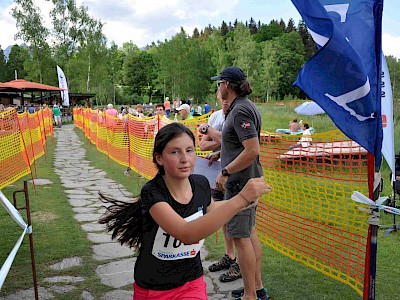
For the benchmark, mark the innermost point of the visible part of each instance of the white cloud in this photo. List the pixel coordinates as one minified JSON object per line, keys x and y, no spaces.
{"x":7,"y":25}
{"x":391,"y":45}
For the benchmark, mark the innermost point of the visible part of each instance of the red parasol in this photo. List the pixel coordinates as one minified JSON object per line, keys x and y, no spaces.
{"x":19,"y":85}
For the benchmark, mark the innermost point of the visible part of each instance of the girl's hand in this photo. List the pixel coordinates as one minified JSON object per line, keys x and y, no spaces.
{"x":254,"y":188}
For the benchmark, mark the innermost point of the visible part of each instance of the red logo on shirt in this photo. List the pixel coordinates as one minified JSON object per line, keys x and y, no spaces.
{"x":245,"y":125}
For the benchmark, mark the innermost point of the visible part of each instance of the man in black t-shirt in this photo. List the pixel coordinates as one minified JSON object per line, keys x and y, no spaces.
{"x":240,"y":149}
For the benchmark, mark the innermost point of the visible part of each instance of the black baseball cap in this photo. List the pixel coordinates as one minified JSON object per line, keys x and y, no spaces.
{"x":232,"y":74}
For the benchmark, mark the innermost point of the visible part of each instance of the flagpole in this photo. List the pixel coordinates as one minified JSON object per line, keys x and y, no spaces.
{"x":372,"y":242}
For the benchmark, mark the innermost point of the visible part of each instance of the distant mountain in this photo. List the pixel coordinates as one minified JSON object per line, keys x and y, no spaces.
{"x":8,"y":49}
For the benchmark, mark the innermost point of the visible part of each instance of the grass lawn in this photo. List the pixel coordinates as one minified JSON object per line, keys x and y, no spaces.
{"x":57,"y":235}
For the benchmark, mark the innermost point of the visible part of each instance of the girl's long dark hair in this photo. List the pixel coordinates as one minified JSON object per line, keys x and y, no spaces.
{"x":124,"y":219}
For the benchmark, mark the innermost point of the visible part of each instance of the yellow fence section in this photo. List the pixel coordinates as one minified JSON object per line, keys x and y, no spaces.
{"x":22,"y":141}
{"x":308,"y":217}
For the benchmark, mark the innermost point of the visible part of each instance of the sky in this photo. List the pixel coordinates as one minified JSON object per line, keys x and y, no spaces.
{"x":145,"y":21}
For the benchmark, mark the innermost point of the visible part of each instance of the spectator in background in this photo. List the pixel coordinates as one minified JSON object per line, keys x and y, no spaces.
{"x":167,"y":106}
{"x":111,"y":110}
{"x":123,"y":113}
{"x":207,"y":108}
{"x":31,"y":109}
{"x":132,"y":111}
{"x":150,"y":113}
{"x":160,"y":110}
{"x":57,"y":115}
{"x":139,"y":109}
{"x":176,"y":104}
{"x":294,"y":126}
{"x":306,"y":138}
{"x":195,"y":110}
{"x":199,"y":110}
{"x":184,"y":111}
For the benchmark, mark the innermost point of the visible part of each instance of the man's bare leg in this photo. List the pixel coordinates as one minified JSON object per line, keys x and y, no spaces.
{"x":247,"y":263}
{"x":255,"y":241}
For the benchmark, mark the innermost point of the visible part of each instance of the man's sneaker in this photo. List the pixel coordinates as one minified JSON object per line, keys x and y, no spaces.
{"x":127,"y":172}
{"x":232,"y":274}
{"x":261,"y":294}
{"x":224,"y":263}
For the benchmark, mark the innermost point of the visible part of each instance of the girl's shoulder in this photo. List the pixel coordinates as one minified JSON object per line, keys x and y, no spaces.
{"x":198,"y":177}
{"x":157,"y":182}
{"x":200,"y":180}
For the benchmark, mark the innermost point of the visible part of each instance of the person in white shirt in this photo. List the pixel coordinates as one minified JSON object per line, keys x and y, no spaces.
{"x":306,"y":139}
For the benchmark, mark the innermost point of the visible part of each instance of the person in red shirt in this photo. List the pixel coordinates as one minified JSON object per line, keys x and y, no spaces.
{"x":167,"y":105}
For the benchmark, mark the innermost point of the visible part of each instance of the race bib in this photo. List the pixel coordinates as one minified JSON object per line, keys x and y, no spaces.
{"x":166,"y":247}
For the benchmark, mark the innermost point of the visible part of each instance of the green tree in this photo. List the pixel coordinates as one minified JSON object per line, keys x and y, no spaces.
{"x":308,"y":42}
{"x":115,"y":61}
{"x":3,"y":66}
{"x":224,"y":28}
{"x":291,"y":26}
{"x":172,"y":57}
{"x":252,"y":26}
{"x":47,"y":71}
{"x":33,"y":33}
{"x":207,"y":32}
{"x":92,"y":54}
{"x":269,"y":72}
{"x":244,"y":52}
{"x":65,"y":19}
{"x":216,"y":47}
{"x":268,"y":32}
{"x":138,"y":72}
{"x":394,"y":71}
{"x":290,"y":51}
{"x":282,"y":25}
{"x":199,"y":68}
{"x":196,"y":33}
{"x":15,"y":62}
{"x":184,"y":65}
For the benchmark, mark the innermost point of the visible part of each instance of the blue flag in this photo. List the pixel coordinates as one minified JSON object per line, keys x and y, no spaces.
{"x":343,"y":77}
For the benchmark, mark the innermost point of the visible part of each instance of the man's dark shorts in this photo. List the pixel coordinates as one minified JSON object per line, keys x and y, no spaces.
{"x":242,"y":224}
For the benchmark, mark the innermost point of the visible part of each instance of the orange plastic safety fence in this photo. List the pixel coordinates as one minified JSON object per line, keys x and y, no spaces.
{"x":309,"y":216}
{"x":129,"y":141}
{"x":22,"y":140}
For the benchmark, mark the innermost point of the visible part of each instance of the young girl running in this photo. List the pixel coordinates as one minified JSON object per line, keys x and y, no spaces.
{"x":170,"y":219}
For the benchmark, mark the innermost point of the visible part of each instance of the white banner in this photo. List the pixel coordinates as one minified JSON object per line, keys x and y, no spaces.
{"x":387,"y":118}
{"x":14,"y":213}
{"x":62,"y":83}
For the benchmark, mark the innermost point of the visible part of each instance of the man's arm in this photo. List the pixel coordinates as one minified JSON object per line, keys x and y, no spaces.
{"x":241,"y":162}
{"x":246,"y":157}
{"x":207,"y":144}
{"x":215,"y":135}
{"x":210,"y":140}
